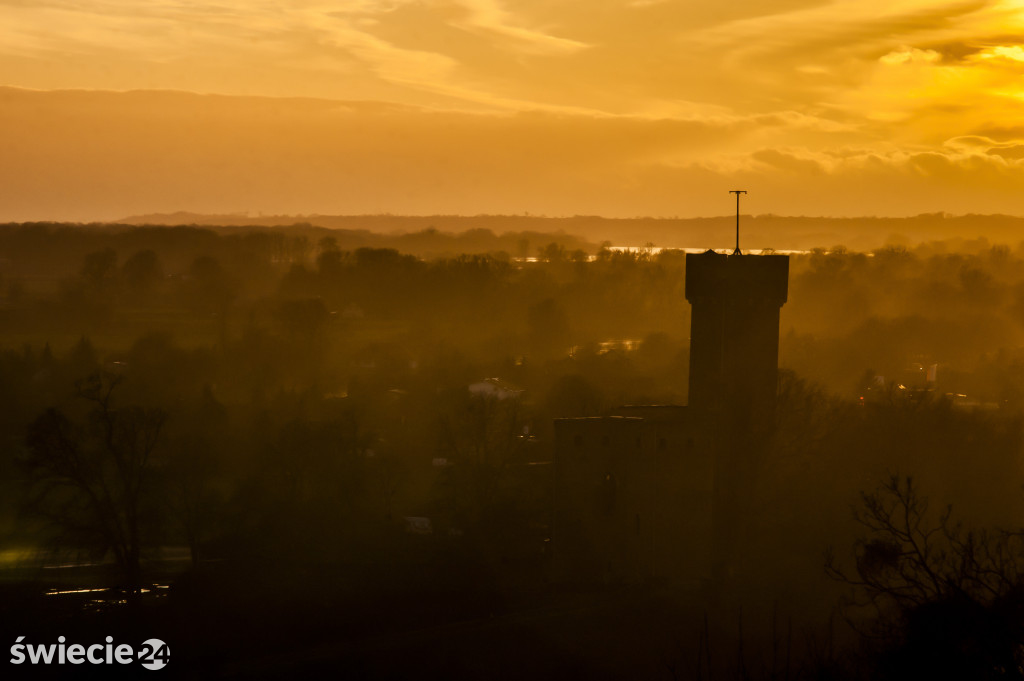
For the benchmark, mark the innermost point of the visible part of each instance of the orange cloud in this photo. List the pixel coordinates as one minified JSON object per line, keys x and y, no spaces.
{"x":622,"y":107}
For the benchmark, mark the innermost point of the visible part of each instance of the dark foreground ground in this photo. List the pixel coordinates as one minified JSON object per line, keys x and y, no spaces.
{"x":267,"y":621}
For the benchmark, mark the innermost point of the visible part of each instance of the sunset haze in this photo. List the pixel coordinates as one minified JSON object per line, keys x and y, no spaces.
{"x":616,"y":108}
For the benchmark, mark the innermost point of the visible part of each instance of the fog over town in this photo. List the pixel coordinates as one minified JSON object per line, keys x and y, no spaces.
{"x":467,"y":339}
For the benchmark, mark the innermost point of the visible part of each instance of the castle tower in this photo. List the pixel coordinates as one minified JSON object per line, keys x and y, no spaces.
{"x":663,"y":491}
{"x":734,"y":367}
{"x":734,"y":333}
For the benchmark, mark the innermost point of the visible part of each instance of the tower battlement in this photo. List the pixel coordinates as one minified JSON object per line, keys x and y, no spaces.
{"x":719,"y":278}
{"x":734,"y":332}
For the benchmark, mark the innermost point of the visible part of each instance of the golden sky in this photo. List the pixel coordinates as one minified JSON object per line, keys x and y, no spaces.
{"x":555,"y":107}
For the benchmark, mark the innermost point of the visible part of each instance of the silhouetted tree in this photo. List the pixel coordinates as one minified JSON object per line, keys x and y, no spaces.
{"x":193,"y":491}
{"x":212,"y":291}
{"x":482,"y":436}
{"x":553,"y":252}
{"x":548,"y":327}
{"x":944,"y":601}
{"x":93,"y":476}
{"x":330,"y":260}
{"x":99,"y":268}
{"x":142,"y":272}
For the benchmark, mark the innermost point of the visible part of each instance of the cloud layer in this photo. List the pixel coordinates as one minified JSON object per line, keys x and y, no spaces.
{"x":616,"y":107}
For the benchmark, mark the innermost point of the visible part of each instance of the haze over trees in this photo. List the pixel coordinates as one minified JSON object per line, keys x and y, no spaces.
{"x":371,"y":427}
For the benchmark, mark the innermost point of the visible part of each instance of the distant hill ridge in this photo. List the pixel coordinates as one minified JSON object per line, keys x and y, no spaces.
{"x":756,"y":232}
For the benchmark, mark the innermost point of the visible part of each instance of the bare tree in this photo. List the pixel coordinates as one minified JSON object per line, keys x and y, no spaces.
{"x":939,"y":597}
{"x":92,"y":476}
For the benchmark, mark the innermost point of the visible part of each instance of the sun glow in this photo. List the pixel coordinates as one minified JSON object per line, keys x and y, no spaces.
{"x":642,"y":107}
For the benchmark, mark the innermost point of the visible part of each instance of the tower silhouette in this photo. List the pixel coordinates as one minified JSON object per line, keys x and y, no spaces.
{"x":663,"y":491}
{"x":734,"y":333}
{"x":734,"y":368}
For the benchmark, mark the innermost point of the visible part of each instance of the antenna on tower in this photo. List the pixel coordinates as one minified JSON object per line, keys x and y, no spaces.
{"x":737,"y":192}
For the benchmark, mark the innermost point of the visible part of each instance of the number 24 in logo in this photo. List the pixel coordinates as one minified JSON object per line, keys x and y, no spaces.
{"x":154,"y":654}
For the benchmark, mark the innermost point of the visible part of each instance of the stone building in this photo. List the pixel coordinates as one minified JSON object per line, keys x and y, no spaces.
{"x":658,"y":492}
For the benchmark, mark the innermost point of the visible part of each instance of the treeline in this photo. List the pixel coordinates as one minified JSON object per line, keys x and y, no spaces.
{"x":48,"y":249}
{"x":759,"y":231}
{"x":955,"y":305}
{"x":897,"y":311}
{"x":270,"y":373}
